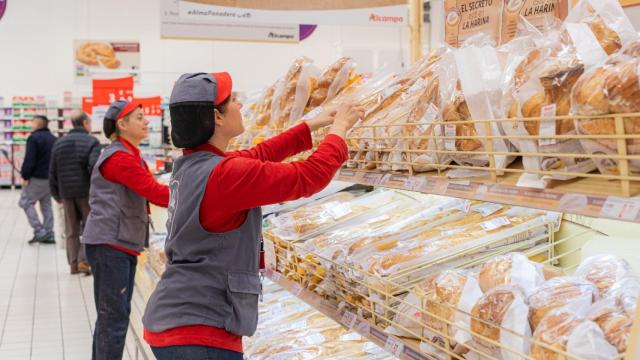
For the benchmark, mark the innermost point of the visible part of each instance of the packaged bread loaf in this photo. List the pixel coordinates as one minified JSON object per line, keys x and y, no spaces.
{"x":410,"y":318}
{"x":510,"y":269}
{"x":604,"y":271}
{"x":612,"y":88}
{"x":539,"y":13}
{"x":292,"y":94}
{"x":566,"y":291}
{"x":614,"y":322}
{"x":471,"y":89}
{"x":626,"y":293}
{"x":454,"y":295}
{"x":567,"y":331}
{"x":334,"y":78}
{"x":500,"y":316}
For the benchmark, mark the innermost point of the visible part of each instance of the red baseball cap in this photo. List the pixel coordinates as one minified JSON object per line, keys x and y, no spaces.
{"x":203,"y":87}
{"x":120,"y":109}
{"x":225,"y":85}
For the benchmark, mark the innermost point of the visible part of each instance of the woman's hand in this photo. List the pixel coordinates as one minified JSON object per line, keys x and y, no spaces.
{"x":346,"y":116}
{"x":325,"y":118}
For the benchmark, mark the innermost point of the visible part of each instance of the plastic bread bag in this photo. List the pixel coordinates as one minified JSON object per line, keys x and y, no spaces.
{"x":573,"y":292}
{"x":604,"y":271}
{"x":500,"y":315}
{"x":599,"y":28}
{"x":566,"y":330}
{"x":510,"y":269}
{"x":614,"y":322}
{"x":612,"y":88}
{"x":539,"y":14}
{"x":291,"y":97}
{"x":335,"y":77}
{"x":542,"y":88}
{"x":472,"y":91}
{"x":626,"y":294}
{"x":455,"y":293}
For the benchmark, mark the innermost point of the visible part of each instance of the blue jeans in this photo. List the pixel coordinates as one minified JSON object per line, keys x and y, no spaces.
{"x":113,"y":279}
{"x":194,"y":352}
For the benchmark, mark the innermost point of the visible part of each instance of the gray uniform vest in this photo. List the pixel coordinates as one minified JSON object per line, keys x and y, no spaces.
{"x":118,"y":215}
{"x":210,"y":278}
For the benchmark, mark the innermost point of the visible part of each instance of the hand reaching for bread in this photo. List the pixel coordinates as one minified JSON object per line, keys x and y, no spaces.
{"x":346,"y":116}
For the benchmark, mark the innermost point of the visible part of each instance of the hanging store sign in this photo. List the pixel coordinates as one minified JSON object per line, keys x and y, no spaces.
{"x":274,"y":21}
{"x":105,"y":57}
{"x":107,"y":91}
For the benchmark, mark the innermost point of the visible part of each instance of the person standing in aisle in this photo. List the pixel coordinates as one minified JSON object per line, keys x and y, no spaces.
{"x":207,"y":298}
{"x":35,"y":181}
{"x":72,"y":160}
{"x":117,"y":229}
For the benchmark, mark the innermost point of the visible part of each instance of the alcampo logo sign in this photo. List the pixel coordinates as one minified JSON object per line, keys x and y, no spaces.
{"x":385,"y":19}
{"x":3,"y":7}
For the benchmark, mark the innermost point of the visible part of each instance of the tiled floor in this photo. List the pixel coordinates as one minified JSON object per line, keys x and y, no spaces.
{"x":45,"y":313}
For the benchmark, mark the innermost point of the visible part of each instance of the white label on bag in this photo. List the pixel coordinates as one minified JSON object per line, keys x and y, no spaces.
{"x":313,"y":113}
{"x":547,"y":125}
{"x":349,"y":319}
{"x":314,"y":339}
{"x":394,"y":346}
{"x":270,"y":258}
{"x":417,"y":86}
{"x":450,"y":130}
{"x":495,"y":223}
{"x":338,"y":210}
{"x":487,"y":209}
{"x":621,"y":208}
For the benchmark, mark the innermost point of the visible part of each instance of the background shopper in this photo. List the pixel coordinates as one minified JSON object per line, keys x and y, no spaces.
{"x":215,"y":219}
{"x":117,"y":229}
{"x":72,"y":160}
{"x":35,"y":174}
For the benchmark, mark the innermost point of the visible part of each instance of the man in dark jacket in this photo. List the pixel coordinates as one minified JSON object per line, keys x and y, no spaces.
{"x":72,"y":160}
{"x":35,"y":174}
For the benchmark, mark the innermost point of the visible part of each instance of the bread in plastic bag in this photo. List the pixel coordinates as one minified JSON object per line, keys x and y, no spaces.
{"x":615,"y":323}
{"x":292,"y":95}
{"x":503,"y":307}
{"x":334,"y":78}
{"x":604,"y":271}
{"x":510,"y":269}
{"x":569,"y":331}
{"x":572,"y":292}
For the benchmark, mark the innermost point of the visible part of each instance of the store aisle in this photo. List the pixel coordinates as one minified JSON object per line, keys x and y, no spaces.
{"x":45,"y":313}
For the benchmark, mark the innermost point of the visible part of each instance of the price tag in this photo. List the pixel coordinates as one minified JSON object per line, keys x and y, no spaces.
{"x":394,"y":346}
{"x":313,"y":113}
{"x":621,"y":208}
{"x":547,"y":124}
{"x":270,"y":258}
{"x":363,"y":327}
{"x":351,"y":337}
{"x":450,"y":130}
{"x":349,"y":319}
{"x":495,"y":223}
{"x":487,"y":209}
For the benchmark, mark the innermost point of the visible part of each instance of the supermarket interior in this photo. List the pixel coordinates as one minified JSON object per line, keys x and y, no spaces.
{"x":320,"y":179}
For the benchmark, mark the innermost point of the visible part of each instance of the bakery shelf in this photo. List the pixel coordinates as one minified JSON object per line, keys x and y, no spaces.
{"x":401,"y":348}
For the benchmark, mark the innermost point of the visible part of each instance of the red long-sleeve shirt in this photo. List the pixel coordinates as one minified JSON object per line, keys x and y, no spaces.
{"x":125,"y":168}
{"x":247,"y":179}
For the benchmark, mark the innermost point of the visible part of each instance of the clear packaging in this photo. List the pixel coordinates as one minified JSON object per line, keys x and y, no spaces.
{"x":614,"y":322}
{"x":604,"y":271}
{"x":292,"y":95}
{"x":510,"y":269}
{"x":334,"y":78}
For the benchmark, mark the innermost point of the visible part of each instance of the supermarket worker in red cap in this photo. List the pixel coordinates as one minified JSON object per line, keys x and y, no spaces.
{"x":207,"y":298}
{"x":117,"y":228}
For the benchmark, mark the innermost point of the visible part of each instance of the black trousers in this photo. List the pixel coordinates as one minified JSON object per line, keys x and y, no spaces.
{"x":113,"y":279}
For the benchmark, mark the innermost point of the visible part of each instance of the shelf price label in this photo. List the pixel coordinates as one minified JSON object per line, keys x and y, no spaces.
{"x":621,"y":208}
{"x":349,"y":319}
{"x":394,"y":346}
{"x":270,"y":259}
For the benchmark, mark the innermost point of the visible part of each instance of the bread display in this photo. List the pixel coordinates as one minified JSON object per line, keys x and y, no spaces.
{"x":571,"y":292}
{"x":501,"y":308}
{"x":612,"y":88}
{"x":510,"y":269}
{"x":615,"y":323}
{"x":567,"y":331}
{"x":604,"y":271}
{"x":292,"y":95}
{"x":626,"y":294}
{"x":334,"y":78}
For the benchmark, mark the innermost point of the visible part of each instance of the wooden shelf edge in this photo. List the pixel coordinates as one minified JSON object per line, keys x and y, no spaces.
{"x":371,"y":332}
{"x":603,"y":206}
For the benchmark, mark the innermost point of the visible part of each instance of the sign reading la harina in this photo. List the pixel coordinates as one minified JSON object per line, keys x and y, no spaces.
{"x":276,"y":20}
